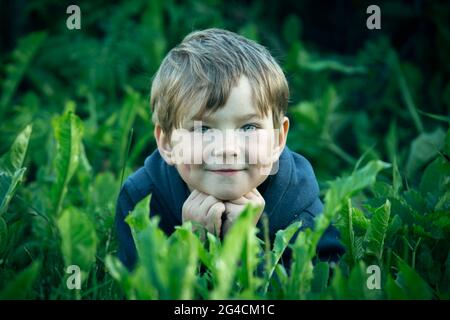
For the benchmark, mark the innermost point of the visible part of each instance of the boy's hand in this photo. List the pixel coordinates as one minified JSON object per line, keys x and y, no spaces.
{"x":233,"y":208}
{"x":205,"y":210}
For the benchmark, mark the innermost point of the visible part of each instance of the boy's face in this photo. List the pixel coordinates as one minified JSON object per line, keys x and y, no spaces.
{"x":228,"y":153}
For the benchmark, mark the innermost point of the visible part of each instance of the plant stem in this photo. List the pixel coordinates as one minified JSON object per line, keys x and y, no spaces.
{"x":341,"y":153}
{"x":406,"y":94}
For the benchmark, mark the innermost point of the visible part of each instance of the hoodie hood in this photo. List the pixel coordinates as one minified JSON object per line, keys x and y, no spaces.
{"x":286,"y":193}
{"x":292,"y":194}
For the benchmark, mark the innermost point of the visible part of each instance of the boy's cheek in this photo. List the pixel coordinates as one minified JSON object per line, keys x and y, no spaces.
{"x":256,"y":149}
{"x":261,"y":153}
{"x":186,"y":148}
{"x":185,"y":169}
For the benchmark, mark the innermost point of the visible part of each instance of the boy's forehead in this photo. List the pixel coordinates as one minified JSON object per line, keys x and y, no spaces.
{"x":239,"y":106}
{"x":232,"y":111}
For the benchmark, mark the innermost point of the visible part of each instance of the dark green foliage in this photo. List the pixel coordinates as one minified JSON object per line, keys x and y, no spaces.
{"x":371,"y":114}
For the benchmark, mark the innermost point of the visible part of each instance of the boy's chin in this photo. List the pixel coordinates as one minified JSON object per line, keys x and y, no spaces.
{"x":226,"y":195}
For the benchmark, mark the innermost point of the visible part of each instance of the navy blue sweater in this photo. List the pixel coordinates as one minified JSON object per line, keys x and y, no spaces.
{"x":291,"y":194}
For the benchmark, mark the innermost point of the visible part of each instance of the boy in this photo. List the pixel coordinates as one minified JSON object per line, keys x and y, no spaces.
{"x":219,"y":102}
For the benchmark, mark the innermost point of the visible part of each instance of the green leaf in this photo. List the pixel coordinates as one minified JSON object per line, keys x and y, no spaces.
{"x":331,"y":64}
{"x":225,"y":265}
{"x":438,"y":117}
{"x":423,"y":149}
{"x":8,"y":187}
{"x":321,"y":274}
{"x":443,"y":203}
{"x":345,"y":227}
{"x":102,"y":201}
{"x":394,"y":226}
{"x":446,"y":277}
{"x":376,"y":233}
{"x":13,"y":160}
{"x":447,"y":143}
{"x":344,"y":188}
{"x":21,"y":285}
{"x":167,"y":267}
{"x":68,"y":133}
{"x":11,"y":171}
{"x":214,"y":242}
{"x":181,"y":262}
{"x":359,"y":247}
{"x":340,"y":190}
{"x":78,"y":239}
{"x":401,"y":208}
{"x":127,"y":116}
{"x":152,"y":248}
{"x":416,"y":201}
{"x":21,"y":58}
{"x":358,"y":283}
{"x":299,"y":284}
{"x":436,"y":179}
{"x":392,"y":143}
{"x":441,"y":220}
{"x":139,"y":219}
{"x":405,"y":90}
{"x":251,"y":254}
{"x":412,"y":284}
{"x":282,"y":239}
{"x":396,"y":179}
{"x":393,"y":290}
{"x":304,"y":248}
{"x":355,"y":286}
{"x":281,"y":276}
{"x":3,"y":235}
{"x":339,"y":285}
{"x":143,"y":288}
{"x":360,"y":221}
{"x":120,"y":273}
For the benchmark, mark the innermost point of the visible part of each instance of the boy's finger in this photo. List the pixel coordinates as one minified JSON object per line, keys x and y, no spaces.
{"x":199,"y":196}
{"x":254,"y":194}
{"x":198,"y":200}
{"x":256,"y":191}
{"x":188,"y":202}
{"x":193,"y":195}
{"x":242,"y":200}
{"x":191,"y":207}
{"x":233,"y":209}
{"x":255,"y":197}
{"x":214,"y":218}
{"x":207,"y":203}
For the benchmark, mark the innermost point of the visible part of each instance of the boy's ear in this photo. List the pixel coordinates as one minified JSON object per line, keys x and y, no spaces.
{"x":281,"y":138}
{"x":163,"y":143}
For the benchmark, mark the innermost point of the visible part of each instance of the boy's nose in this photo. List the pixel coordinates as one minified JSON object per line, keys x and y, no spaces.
{"x":227,"y":147}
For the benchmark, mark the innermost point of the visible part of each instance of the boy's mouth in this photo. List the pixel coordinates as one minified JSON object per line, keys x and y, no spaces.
{"x":226,"y":172}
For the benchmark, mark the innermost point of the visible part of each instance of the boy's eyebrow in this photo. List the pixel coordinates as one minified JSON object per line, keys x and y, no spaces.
{"x":248,"y":116}
{"x":240,"y":118}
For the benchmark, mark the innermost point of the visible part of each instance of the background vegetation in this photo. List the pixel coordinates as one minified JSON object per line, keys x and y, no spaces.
{"x":371,"y":107}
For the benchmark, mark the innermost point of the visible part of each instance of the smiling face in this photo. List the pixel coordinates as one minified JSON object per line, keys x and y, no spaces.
{"x":227,"y":153}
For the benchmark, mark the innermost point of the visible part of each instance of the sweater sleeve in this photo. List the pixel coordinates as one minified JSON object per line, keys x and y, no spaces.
{"x":135,"y":188}
{"x":329,"y":247}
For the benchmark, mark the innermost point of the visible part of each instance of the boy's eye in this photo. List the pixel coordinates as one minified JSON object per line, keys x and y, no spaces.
{"x":249,"y":127}
{"x":201,"y":129}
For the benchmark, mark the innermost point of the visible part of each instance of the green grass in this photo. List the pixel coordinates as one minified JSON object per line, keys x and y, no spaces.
{"x":403,"y":231}
{"x":76,"y":121}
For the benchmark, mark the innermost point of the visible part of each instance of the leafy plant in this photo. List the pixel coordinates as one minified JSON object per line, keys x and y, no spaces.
{"x":75,"y":120}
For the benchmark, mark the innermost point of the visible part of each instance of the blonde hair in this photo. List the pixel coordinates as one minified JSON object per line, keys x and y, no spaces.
{"x":205,"y":67}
